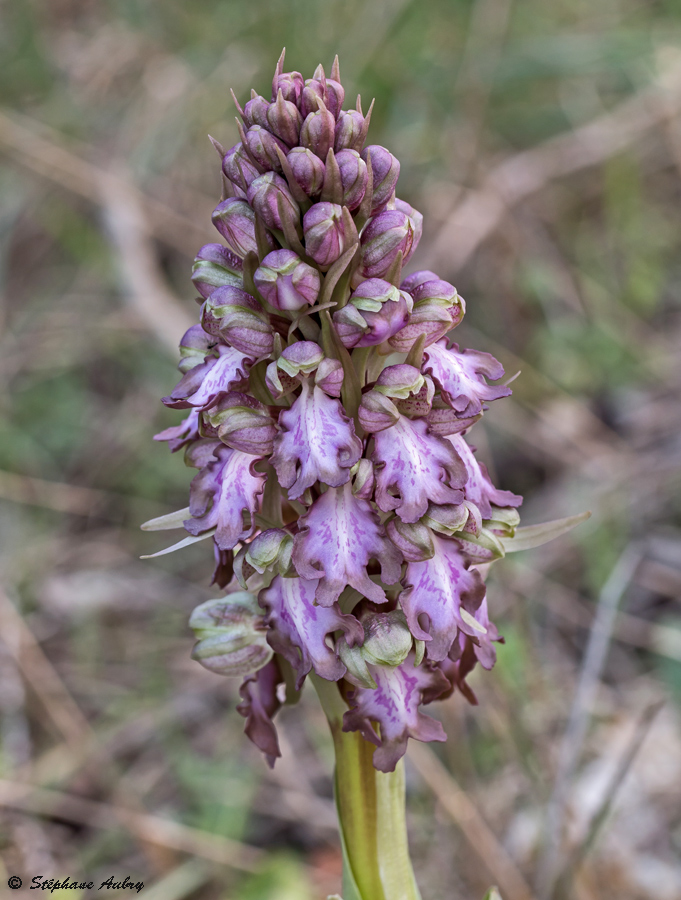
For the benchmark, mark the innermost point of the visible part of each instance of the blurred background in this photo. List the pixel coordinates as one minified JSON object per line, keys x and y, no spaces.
{"x":542,"y":142}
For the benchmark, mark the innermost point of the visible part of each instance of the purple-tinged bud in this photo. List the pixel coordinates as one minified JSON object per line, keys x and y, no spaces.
{"x":420,"y":403}
{"x":241,"y":422}
{"x":195,"y":345}
{"x":285,"y":120}
{"x":335,"y":95}
{"x":399,"y":381}
{"x":262,"y":147}
{"x":302,"y":357}
{"x":308,"y":170}
{"x":214,"y":267}
{"x":354,"y":177}
{"x":239,"y":319}
{"x":238,"y":167}
{"x":416,"y":220}
{"x":291,"y":85}
{"x":286,"y":282}
{"x":349,"y":130}
{"x":387,"y":639}
{"x":329,"y":377}
{"x":411,"y":282}
{"x":437,"y":309}
{"x":264,"y":194}
{"x":363,"y":479}
{"x":325,"y":238}
{"x":448,"y":518}
{"x":377,"y":412}
{"x":386,"y":170}
{"x":235,"y":220}
{"x":415,"y":541}
{"x":318,"y":131}
{"x":255,"y":111}
{"x":383,"y":238}
{"x":312,"y":93}
{"x":231,"y":635}
{"x":270,"y":551}
{"x":375,"y":311}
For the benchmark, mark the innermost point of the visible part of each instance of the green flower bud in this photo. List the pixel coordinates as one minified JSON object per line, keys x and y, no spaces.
{"x":230,"y":634}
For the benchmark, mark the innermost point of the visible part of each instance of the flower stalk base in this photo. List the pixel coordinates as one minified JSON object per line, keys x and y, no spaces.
{"x":371,"y":813}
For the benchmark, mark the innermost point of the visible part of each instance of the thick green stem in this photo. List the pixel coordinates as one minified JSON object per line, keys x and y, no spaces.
{"x":371,"y":813}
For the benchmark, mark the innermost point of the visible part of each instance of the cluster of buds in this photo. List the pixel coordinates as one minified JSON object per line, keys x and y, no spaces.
{"x":327,"y":419}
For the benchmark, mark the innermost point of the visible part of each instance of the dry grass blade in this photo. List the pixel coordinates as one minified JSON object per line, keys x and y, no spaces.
{"x":43,"y":678}
{"x":43,"y":150}
{"x":151,"y":829}
{"x":465,"y":814}
{"x":580,"y":852}
{"x":139,"y":271}
{"x":575,"y":732}
{"x":526,"y":173}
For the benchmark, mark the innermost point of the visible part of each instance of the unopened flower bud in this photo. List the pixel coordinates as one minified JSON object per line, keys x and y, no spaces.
{"x":238,"y":317}
{"x":419,"y":403}
{"x":286,"y":282}
{"x":235,"y":220}
{"x":301,"y":358}
{"x":262,"y":147}
{"x":264,"y":194}
{"x":377,"y":412}
{"x":308,"y":170}
{"x":375,"y":311}
{"x":446,"y":518}
{"x":270,"y":550}
{"x":215,"y":266}
{"x":238,"y":167}
{"x":312,"y":93}
{"x":386,"y":170}
{"x":255,"y":111}
{"x":383,"y":238}
{"x":348,"y":133}
{"x":329,"y":377}
{"x":354,"y":177}
{"x":387,"y":639}
{"x":399,"y":381}
{"x":231,"y":635}
{"x":243,"y":423}
{"x":416,"y":222}
{"x":411,"y":282}
{"x":285,"y":120}
{"x":414,"y":541}
{"x":194,"y":347}
{"x":335,"y":95}
{"x":318,"y":131}
{"x":324,"y":232}
{"x":290,"y":84}
{"x":363,"y":479}
{"x":437,"y":309}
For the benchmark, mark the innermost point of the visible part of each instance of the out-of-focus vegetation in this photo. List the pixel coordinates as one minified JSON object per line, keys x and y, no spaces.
{"x":109,"y":730}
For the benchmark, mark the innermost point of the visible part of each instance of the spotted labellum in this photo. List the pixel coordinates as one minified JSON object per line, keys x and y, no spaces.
{"x":328,"y":415}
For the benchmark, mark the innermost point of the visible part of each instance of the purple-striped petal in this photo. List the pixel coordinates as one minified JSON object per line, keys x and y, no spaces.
{"x":338,"y":537}
{"x":203,"y":384}
{"x":413,"y":468}
{"x":318,"y":442}
{"x":299,"y":628}
{"x":221,"y":493}
{"x":394,"y":704}
{"x":479,"y":488}
{"x":259,"y":703}
{"x":460,"y":375}
{"x":436,"y":590}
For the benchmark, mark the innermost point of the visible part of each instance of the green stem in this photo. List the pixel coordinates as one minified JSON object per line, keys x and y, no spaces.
{"x":371,"y":813}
